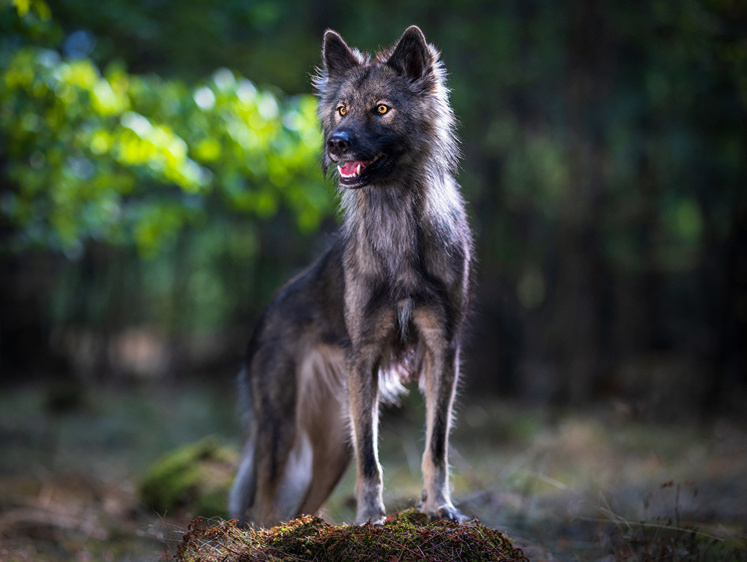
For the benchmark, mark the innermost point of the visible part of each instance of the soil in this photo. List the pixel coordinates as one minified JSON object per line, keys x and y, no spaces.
{"x":562,"y":485}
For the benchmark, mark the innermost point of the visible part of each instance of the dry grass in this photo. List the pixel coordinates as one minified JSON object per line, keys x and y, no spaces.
{"x":574,"y":485}
{"x":408,"y":535}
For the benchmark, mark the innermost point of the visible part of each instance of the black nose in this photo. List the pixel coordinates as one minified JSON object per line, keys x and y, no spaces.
{"x":338,"y":144}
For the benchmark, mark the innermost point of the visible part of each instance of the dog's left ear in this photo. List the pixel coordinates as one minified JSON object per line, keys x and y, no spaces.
{"x":337,"y":56}
{"x":411,"y":57}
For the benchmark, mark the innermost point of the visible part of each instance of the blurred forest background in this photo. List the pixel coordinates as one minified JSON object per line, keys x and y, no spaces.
{"x":160,"y":179}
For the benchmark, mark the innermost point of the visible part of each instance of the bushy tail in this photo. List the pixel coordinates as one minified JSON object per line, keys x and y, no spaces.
{"x":245,"y":484}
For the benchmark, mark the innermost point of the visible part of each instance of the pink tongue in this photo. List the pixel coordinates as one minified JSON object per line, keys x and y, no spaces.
{"x":352,"y":167}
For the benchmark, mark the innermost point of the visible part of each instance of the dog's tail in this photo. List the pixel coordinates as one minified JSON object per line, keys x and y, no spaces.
{"x":245,"y":484}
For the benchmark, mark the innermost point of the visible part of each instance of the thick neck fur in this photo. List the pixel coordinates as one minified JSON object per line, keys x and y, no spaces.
{"x":398,"y":228}
{"x":381,"y":221}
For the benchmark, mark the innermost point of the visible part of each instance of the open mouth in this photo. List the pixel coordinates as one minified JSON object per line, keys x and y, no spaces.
{"x":353,"y":171}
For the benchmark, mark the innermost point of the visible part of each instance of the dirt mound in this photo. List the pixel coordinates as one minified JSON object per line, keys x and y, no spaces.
{"x":408,"y":535}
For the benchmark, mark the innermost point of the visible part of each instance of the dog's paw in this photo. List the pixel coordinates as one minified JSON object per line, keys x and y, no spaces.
{"x":445,"y":512}
{"x":374,"y":516}
{"x":450,"y":513}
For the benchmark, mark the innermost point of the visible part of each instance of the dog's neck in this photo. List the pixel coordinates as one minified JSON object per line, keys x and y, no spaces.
{"x":383,"y":223}
{"x":394,"y":227}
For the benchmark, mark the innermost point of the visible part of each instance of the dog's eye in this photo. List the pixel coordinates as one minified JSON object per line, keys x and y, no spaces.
{"x":382,"y":109}
{"x":342,"y":111}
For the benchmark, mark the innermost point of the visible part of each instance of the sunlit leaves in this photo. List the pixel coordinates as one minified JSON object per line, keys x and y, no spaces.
{"x":111,"y":156}
{"x":32,"y":8}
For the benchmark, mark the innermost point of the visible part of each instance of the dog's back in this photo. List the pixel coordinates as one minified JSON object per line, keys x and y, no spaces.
{"x":387,"y":300}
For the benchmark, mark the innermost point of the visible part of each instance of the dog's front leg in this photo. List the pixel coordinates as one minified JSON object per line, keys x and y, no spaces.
{"x":441,"y":377}
{"x":441,"y":371}
{"x":364,"y":413}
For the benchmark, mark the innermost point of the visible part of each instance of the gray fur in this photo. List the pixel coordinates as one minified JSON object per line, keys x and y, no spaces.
{"x":384,"y":305}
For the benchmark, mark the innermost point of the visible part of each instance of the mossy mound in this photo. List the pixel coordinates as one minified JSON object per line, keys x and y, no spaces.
{"x":409,"y":535}
{"x":194,"y":479}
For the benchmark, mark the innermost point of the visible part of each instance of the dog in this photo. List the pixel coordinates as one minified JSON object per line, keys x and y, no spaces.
{"x":385,"y":305}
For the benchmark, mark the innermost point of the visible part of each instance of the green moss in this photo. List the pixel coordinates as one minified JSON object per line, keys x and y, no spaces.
{"x":408,"y":535}
{"x":195,"y":478}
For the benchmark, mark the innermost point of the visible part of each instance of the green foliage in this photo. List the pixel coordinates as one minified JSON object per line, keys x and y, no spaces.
{"x":604,"y":163}
{"x":196,"y":477}
{"x":268,"y":40}
{"x":127,"y":159}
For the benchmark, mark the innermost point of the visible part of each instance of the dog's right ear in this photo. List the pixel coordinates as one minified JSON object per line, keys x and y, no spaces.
{"x":411,"y":56}
{"x":336,"y":54}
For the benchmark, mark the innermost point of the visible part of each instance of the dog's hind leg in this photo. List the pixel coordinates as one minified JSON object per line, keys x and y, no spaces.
{"x":322,"y":409}
{"x":331,"y":456}
{"x":308,"y":476}
{"x":273,"y":476}
{"x":281,"y":495}
{"x":282,"y":473}
{"x":300,"y":445}
{"x":283,"y":457}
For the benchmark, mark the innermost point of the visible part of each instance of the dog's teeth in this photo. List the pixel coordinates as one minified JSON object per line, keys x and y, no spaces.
{"x":354,"y":169}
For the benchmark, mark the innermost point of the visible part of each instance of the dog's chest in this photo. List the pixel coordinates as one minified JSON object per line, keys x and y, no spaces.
{"x":393,"y":262}
{"x":396,"y":250}
{"x":389,"y":240}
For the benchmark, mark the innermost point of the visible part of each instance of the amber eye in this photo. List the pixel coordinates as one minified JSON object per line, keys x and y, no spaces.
{"x":382,"y":109}
{"x":342,"y":111}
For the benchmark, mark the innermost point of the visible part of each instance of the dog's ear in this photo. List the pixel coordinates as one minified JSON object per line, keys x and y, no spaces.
{"x":411,"y":56}
{"x":336,"y":54}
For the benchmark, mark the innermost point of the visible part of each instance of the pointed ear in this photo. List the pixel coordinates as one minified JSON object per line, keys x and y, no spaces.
{"x":336,"y":54}
{"x":411,"y":57}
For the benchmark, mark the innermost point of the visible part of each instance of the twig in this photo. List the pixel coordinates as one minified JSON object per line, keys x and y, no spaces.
{"x":654,"y":526}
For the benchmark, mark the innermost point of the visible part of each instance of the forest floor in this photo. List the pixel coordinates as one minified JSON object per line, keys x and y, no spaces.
{"x":565,"y":485}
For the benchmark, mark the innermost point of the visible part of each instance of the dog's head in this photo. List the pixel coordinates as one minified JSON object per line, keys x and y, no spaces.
{"x":380,"y":115}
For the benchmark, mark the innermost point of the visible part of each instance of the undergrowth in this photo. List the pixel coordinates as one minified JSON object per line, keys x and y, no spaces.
{"x":408,"y":535}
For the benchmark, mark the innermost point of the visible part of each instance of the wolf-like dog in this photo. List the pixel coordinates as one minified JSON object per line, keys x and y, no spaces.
{"x":384,"y":305}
